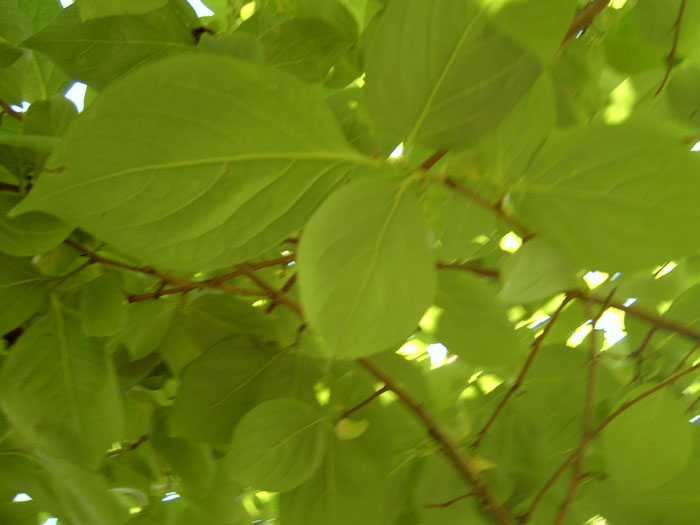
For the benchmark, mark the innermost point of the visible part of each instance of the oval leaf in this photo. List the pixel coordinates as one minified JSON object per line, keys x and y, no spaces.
{"x":278,"y":445}
{"x":366,"y":269}
{"x":165,"y":196}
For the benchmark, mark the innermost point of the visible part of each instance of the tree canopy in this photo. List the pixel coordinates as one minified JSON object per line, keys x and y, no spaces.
{"x":340,"y":262}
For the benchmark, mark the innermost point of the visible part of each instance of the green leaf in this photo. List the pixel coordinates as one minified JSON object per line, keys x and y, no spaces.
{"x":649,"y":443}
{"x":278,"y":445}
{"x":439,"y":74}
{"x":205,"y":204}
{"x":103,"y":309}
{"x":147,"y":325}
{"x":306,"y":47}
{"x":30,"y":233}
{"x":72,"y":493}
{"x":100,"y":8}
{"x":347,"y":489}
{"x":366,"y":268}
{"x":218,"y":388}
{"x":8,"y":53}
{"x":538,"y":26}
{"x":472,"y":323}
{"x":100,"y":50}
{"x":613,"y":197}
{"x":535,"y":271}
{"x":60,"y":392}
{"x":49,"y":117}
{"x":682,"y":96}
{"x":21,"y":292}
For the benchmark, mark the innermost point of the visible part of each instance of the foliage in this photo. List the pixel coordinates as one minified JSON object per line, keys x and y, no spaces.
{"x":160,"y":363}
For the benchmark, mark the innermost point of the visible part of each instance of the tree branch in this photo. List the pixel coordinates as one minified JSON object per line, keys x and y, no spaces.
{"x":364,"y":403}
{"x":7,"y":109}
{"x":583,"y":19}
{"x":432,"y":160}
{"x":484,"y":272}
{"x":450,"y":502}
{"x":537,"y":343}
{"x":622,"y":408}
{"x":465,"y":468}
{"x":589,"y":406}
{"x":274,"y":294}
{"x":284,"y":290}
{"x":494,"y":208}
{"x":4,"y":186}
{"x":674,"y":47}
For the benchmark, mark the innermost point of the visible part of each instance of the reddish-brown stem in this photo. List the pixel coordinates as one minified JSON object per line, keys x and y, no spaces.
{"x":537,"y":343}
{"x":622,"y":408}
{"x":7,"y":109}
{"x":589,"y":406}
{"x":274,"y":294}
{"x":450,"y":502}
{"x":686,"y":357}
{"x":493,"y":208}
{"x":432,"y":160}
{"x":674,"y":47}
{"x":465,"y":468}
{"x":583,"y":19}
{"x":484,"y":272}
{"x":364,"y":403}
{"x":284,"y":290}
{"x":4,"y":186}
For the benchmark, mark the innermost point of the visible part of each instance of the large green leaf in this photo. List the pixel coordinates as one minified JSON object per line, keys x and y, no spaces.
{"x":100,"y":8}
{"x":439,"y":74}
{"x":103,"y":310}
{"x":346,"y":490}
{"x":278,"y":445}
{"x":172,"y":199}
{"x":31,"y":233}
{"x":366,"y":268}
{"x":60,"y":392}
{"x":472,"y":323}
{"x":147,"y":325}
{"x":649,"y":443}
{"x":217,"y":389}
{"x":21,"y":291}
{"x":613,"y":197}
{"x":100,"y":50}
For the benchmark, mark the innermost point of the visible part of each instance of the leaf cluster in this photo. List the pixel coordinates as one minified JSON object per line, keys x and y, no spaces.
{"x":332,"y":262}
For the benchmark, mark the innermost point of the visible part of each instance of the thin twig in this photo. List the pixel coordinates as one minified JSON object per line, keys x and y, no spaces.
{"x":674,"y":47}
{"x":484,"y":272}
{"x":7,"y":109}
{"x":364,"y":403}
{"x":274,"y":294}
{"x":4,"y":186}
{"x":283,"y":291}
{"x":583,"y":19}
{"x":685,"y":359}
{"x":493,"y":208}
{"x":622,"y":408}
{"x":657,"y":320}
{"x":450,"y":502}
{"x":432,"y":160}
{"x":589,"y":406}
{"x":536,"y":345}
{"x":465,"y":468}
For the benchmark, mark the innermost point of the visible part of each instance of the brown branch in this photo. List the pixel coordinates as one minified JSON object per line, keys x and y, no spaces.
{"x":7,"y":109}
{"x":685,"y":359}
{"x":364,"y":403}
{"x":589,"y":406}
{"x":432,"y":160}
{"x":494,"y":208}
{"x":271,"y":292}
{"x":537,"y":343}
{"x":283,"y":291}
{"x":622,"y":408}
{"x":638,"y":353}
{"x":450,"y":502}
{"x":583,"y":19}
{"x":465,"y":468}
{"x":657,"y":320}
{"x":484,"y":272}
{"x":674,"y":47}
{"x":4,"y":186}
